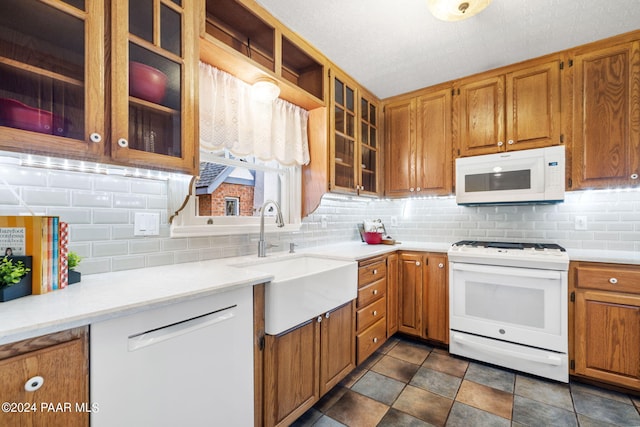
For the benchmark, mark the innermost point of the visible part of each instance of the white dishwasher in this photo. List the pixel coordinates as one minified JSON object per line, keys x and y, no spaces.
{"x":189,"y":364}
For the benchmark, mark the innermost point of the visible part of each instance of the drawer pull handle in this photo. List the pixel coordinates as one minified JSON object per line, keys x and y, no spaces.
{"x":375,"y":340}
{"x":375,"y":292}
{"x":33,"y":383}
{"x":613,"y":280}
{"x":375,"y":271}
{"x":375,"y":312}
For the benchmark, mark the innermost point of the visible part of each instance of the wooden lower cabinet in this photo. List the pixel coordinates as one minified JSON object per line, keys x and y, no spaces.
{"x":61,"y":360}
{"x":304,"y":363}
{"x":423,"y":309}
{"x":371,"y":315}
{"x":606,"y":323}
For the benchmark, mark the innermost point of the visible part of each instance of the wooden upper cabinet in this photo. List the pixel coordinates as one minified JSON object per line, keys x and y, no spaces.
{"x":355,"y":146}
{"x":52,"y":77}
{"x":433,"y":143}
{"x":243,"y":39}
{"x":152,"y":41}
{"x":606,"y":126}
{"x":418,"y":144}
{"x":515,"y":110}
{"x":400,"y":151}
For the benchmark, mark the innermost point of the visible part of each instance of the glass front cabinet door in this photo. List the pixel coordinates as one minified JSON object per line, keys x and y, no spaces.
{"x":52,"y":76}
{"x":154,"y":62}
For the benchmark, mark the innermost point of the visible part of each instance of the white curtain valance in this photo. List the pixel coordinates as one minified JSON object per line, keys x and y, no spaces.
{"x":230,"y":118}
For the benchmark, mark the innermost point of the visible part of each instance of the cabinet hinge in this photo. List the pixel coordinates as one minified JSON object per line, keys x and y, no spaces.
{"x":571,"y":63}
{"x":573,"y":297}
{"x":562,"y":65}
{"x":572,"y":364}
{"x":453,"y":92}
{"x":426,"y":332}
{"x":570,"y":183}
{"x":562,"y":138}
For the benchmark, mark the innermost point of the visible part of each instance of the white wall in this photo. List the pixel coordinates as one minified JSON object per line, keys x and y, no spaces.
{"x":100,"y":211}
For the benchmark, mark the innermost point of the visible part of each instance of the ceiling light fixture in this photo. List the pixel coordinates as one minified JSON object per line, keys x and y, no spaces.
{"x":265,"y":89}
{"x":456,"y":10}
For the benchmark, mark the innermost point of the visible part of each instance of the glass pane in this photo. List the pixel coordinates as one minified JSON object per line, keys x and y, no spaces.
{"x":350,"y":106}
{"x":344,"y":151}
{"x":155,"y":103}
{"x":350,"y":125}
{"x":42,"y":86}
{"x":339,"y":119}
{"x":364,"y":109}
{"x":368,"y":160}
{"x":373,"y":137}
{"x":344,"y":177}
{"x":178,"y":2}
{"x":372,"y":114}
{"x":339,"y":92}
{"x":79,"y":4}
{"x":509,"y":180}
{"x":141,"y":19}
{"x":232,"y":190}
{"x":171,"y":31}
{"x":365,"y":133}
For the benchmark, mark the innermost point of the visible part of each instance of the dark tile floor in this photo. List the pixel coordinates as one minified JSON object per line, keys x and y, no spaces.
{"x":408,"y":383}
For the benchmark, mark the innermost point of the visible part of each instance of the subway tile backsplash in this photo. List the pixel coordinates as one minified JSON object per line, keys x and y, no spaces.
{"x":100,"y":210}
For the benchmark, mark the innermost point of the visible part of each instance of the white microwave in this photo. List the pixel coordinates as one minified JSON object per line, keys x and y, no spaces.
{"x":515,"y":177}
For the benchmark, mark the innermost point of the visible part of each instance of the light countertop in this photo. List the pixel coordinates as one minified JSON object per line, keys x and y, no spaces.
{"x":102,"y":296}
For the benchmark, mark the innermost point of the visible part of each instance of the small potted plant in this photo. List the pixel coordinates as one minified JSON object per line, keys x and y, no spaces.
{"x":15,"y":277}
{"x":73,"y":260}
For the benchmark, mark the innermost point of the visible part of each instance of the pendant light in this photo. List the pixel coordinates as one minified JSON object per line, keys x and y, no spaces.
{"x":456,"y":10}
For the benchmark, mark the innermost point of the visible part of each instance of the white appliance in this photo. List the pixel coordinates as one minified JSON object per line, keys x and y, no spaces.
{"x":186,"y":364}
{"x":524,"y":176}
{"x":508,"y":305}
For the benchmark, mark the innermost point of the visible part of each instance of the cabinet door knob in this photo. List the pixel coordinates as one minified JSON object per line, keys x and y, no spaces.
{"x":95,"y":137}
{"x":411,"y":189}
{"x":375,"y":292}
{"x":418,"y":263}
{"x":327,"y":315}
{"x":510,"y":142}
{"x":375,"y":271}
{"x":319,"y":319}
{"x":613,"y":280}
{"x":375,"y":312}
{"x":500,"y":143}
{"x":33,"y":383}
{"x":634,"y":176}
{"x":418,"y":189}
{"x":375,"y":340}
{"x":441,"y":265}
{"x":122,"y":142}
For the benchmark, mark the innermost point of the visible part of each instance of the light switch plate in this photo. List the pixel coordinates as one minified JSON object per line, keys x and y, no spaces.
{"x":146,"y":224}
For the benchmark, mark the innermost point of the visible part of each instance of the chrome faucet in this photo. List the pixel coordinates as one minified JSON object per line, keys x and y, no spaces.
{"x":262,"y":245}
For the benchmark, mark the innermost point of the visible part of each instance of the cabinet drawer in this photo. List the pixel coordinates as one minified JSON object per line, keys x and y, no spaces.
{"x":371,"y":339}
{"x":371,"y":313}
{"x":618,"y":278}
{"x":372,"y":272}
{"x":372,"y":292}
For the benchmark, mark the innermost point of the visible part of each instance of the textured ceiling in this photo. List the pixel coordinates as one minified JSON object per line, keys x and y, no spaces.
{"x":396,"y":46}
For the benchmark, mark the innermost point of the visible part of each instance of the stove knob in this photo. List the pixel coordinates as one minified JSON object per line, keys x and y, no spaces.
{"x":613,"y":280}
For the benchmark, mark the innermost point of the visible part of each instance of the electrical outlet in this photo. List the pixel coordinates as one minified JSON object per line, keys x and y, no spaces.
{"x":394,"y":221}
{"x":146,"y":224}
{"x":581,"y":222}
{"x":323,"y":221}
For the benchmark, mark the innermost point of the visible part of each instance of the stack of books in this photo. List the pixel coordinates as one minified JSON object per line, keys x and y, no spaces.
{"x":40,"y":238}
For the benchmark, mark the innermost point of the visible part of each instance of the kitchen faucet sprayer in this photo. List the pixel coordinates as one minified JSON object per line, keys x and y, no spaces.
{"x":262,"y":245}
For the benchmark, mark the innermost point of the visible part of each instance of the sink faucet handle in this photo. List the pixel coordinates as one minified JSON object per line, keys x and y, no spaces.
{"x":292,"y":247}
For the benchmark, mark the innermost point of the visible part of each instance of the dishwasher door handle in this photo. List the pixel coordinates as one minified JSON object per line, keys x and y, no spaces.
{"x":154,"y":336}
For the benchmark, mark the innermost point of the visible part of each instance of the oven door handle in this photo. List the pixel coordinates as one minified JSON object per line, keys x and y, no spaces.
{"x":511,"y":271}
{"x":548,"y":360}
